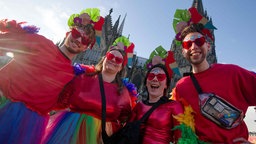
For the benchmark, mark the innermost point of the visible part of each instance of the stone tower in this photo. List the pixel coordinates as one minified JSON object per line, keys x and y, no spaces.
{"x":183,"y":64}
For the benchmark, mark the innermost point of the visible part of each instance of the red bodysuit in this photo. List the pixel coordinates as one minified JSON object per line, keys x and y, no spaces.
{"x":157,"y":129}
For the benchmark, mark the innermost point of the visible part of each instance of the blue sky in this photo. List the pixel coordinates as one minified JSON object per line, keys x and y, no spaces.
{"x":149,"y":22}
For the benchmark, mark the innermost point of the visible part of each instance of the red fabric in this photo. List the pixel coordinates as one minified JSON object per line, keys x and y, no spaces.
{"x":98,"y":25}
{"x":195,"y":16}
{"x":130,"y":48}
{"x":37,"y":73}
{"x":233,"y":84}
{"x":88,"y":68}
{"x":160,"y":122}
{"x":207,"y":33}
{"x":11,"y":26}
{"x":86,"y":98}
{"x":169,"y":60}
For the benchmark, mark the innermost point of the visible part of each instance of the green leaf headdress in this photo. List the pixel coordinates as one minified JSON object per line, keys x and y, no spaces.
{"x":124,"y":44}
{"x":88,"y":16}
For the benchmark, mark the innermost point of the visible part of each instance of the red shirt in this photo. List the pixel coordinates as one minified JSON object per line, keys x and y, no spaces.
{"x":232,"y":83}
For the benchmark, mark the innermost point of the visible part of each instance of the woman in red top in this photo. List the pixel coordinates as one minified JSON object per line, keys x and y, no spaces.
{"x":158,"y":127}
{"x":83,"y":95}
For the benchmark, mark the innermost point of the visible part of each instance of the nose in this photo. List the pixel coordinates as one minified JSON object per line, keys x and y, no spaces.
{"x":193,"y":46}
{"x":155,"y":79}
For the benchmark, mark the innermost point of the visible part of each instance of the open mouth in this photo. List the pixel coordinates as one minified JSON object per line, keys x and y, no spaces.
{"x":195,"y":54}
{"x":154,"y":87}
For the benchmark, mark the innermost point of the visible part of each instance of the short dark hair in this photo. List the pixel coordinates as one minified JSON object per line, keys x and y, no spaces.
{"x":195,"y":27}
{"x":168,"y":80}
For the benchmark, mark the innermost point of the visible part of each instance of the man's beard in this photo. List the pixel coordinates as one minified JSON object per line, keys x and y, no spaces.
{"x":73,"y":51}
{"x":196,"y":61}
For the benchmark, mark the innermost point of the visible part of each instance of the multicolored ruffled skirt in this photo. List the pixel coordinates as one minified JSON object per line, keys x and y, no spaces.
{"x":73,"y":128}
{"x":19,"y":124}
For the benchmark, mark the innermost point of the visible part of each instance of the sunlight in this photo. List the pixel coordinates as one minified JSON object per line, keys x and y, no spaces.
{"x":10,"y":54}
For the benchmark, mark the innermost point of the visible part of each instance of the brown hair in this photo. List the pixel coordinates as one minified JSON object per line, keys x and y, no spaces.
{"x":119,"y":75}
{"x":168,"y":79}
{"x":198,"y":27}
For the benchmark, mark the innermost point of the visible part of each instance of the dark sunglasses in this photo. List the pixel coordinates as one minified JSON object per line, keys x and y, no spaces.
{"x":76,"y":34}
{"x":198,"y":41}
{"x":160,"y":77}
{"x":110,"y":56}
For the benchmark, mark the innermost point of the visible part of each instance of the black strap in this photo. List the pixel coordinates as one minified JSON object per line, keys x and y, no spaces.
{"x":162,"y":100}
{"x":143,"y":119}
{"x":196,"y":84}
{"x":103,"y":107}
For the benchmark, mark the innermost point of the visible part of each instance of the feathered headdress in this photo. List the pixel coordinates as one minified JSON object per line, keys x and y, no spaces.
{"x":11,"y":26}
{"x":88,"y":16}
{"x":183,"y":18}
{"x":123,"y":43}
{"x":160,"y":55}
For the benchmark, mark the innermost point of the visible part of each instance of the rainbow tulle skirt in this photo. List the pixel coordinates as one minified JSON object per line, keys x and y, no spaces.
{"x":73,"y":128}
{"x":20,"y":125}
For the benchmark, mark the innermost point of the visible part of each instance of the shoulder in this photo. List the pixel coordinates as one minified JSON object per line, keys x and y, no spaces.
{"x":226,"y":66}
{"x":175,"y":107}
{"x":229,"y":69}
{"x":183,"y":80}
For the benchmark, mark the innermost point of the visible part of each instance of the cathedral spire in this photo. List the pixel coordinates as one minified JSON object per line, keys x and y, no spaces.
{"x":198,"y":4}
{"x":120,"y":30}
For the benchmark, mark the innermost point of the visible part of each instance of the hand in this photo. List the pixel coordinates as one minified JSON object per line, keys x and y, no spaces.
{"x":241,"y":141}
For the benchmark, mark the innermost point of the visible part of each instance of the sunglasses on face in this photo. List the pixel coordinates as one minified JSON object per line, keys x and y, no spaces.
{"x":198,"y":41}
{"x":160,"y":77}
{"x":76,"y":34}
{"x":110,"y":56}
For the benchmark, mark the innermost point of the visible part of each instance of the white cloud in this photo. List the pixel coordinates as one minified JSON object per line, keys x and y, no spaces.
{"x":54,"y":22}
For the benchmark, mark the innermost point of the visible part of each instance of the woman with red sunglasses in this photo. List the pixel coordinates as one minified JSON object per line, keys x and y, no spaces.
{"x":158,"y":127}
{"x":83,"y":97}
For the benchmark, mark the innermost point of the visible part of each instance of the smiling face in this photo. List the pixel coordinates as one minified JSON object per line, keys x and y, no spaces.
{"x":156,"y":83}
{"x":195,"y":49}
{"x":74,"y":44}
{"x":113,"y":62}
{"x":79,"y":39}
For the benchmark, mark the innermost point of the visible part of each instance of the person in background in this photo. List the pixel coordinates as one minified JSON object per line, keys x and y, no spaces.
{"x":158,"y":127}
{"x":224,"y":94}
{"x":32,"y":80}
{"x":83,"y":97}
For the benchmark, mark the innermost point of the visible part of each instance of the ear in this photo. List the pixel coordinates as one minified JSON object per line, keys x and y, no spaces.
{"x":208,"y":46}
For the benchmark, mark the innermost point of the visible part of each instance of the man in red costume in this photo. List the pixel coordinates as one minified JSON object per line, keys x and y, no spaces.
{"x":219,"y":117}
{"x":33,"y":79}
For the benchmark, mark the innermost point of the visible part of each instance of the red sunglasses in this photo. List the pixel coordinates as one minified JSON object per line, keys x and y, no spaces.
{"x":76,"y":34}
{"x":198,"y":41}
{"x":160,"y":77}
{"x":110,"y":56}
